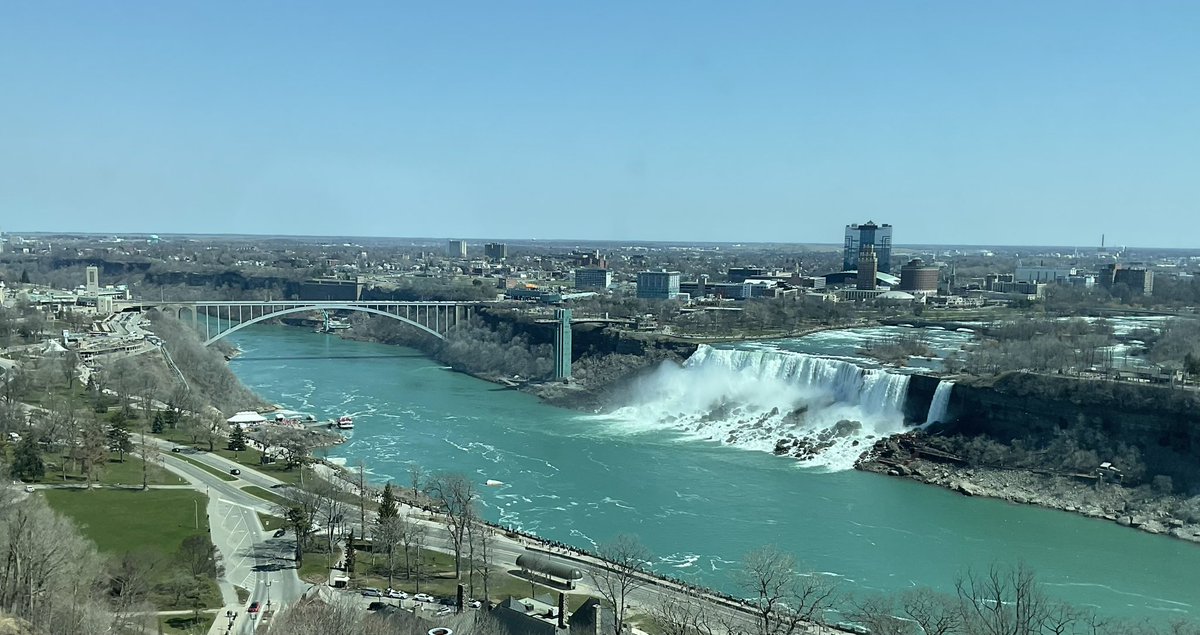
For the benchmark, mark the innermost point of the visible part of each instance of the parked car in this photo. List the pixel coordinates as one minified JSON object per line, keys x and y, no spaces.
{"x":423,"y":597}
{"x":280,"y":532}
{"x":253,"y":608}
{"x":371,"y":593}
{"x":28,"y":489}
{"x":235,"y":472}
{"x":475,"y":604}
{"x":176,"y":449}
{"x":447,"y":601}
{"x":398,"y":595}
{"x":445,"y":611}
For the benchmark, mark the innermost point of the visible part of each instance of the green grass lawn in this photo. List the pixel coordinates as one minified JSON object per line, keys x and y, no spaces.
{"x":186,"y":624}
{"x":129,"y":520}
{"x":249,"y":458}
{"x":114,"y":472}
{"x":437,"y":579}
{"x":316,"y":566}
{"x":122,"y":521}
{"x":224,"y":476}
{"x":265,"y":494}
{"x":270,"y":522}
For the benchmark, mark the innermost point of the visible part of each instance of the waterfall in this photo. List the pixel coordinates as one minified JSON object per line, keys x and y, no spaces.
{"x":940,"y":402}
{"x":824,"y":411}
{"x":877,"y":391}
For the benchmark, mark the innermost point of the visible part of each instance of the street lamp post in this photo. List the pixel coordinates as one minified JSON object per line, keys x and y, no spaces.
{"x":268,"y":594}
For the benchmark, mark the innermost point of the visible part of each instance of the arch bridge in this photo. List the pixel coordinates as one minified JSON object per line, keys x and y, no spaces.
{"x":217,"y":319}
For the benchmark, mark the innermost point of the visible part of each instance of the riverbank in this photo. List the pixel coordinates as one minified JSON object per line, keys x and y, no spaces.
{"x":1141,"y":508}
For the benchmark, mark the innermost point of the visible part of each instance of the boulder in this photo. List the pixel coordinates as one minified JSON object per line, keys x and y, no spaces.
{"x":964,"y":487}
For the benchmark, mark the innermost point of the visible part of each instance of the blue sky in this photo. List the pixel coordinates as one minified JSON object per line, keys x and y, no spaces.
{"x":958,"y":122}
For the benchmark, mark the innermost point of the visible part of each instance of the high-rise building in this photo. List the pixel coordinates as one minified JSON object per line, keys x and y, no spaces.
{"x":457,"y":249}
{"x":495,"y":251}
{"x":658,"y":285}
{"x":878,"y":236}
{"x":867,"y":267}
{"x":1138,"y":278}
{"x":93,"y":281}
{"x":592,"y":278}
{"x":562,"y":344}
{"x":916,"y":276}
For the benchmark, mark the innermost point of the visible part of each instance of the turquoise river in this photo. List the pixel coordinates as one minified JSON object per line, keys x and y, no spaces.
{"x":683,"y":467}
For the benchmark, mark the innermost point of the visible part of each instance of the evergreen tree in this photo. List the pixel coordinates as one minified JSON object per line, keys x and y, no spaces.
{"x":157,"y":425}
{"x":237,"y":438}
{"x":24,"y":276}
{"x":350,"y":553}
{"x":27,"y":462}
{"x":118,"y":440}
{"x":387,"y":503}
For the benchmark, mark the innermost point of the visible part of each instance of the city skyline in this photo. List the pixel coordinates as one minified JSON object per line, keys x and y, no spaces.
{"x":1021,"y":123}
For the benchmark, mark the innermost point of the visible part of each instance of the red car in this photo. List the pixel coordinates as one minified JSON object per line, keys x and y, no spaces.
{"x":253,"y":608}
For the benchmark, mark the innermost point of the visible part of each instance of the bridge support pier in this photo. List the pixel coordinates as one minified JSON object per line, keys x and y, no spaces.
{"x":562,"y":345}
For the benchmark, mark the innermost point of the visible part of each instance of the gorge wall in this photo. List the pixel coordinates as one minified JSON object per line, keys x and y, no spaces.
{"x":1161,"y":423}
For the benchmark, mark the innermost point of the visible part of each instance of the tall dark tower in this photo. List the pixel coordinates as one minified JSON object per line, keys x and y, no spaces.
{"x":868,"y":266}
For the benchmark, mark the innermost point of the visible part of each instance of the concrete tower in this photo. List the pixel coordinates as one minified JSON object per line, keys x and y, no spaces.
{"x":562,"y":345}
{"x":868,"y":267}
{"x":93,"y":281}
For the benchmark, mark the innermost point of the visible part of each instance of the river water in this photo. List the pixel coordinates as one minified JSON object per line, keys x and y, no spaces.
{"x":683,"y":467}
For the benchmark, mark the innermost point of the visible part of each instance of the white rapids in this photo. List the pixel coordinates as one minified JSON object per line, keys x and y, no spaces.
{"x":827,"y":411}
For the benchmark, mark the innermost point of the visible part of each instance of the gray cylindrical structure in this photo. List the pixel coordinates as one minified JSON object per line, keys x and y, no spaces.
{"x":542,"y":564}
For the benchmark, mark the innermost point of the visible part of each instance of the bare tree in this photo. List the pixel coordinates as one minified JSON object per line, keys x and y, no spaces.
{"x":621,"y":576}
{"x":416,"y":537}
{"x":92,"y":449}
{"x":1002,"y":601}
{"x":784,"y":601}
{"x":390,"y":534}
{"x":936,"y":614}
{"x":455,"y":494}
{"x":879,"y":616}
{"x":416,"y":477}
{"x":483,"y":557}
{"x":49,"y":572}
{"x":301,"y":510}
{"x":687,"y":613}
{"x":151,"y":455}
{"x":331,"y":510}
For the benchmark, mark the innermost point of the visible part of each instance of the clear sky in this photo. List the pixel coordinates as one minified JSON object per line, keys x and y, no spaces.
{"x":1045,"y":122}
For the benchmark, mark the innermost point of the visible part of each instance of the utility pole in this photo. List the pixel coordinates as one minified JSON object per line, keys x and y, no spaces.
{"x":362,"y":498}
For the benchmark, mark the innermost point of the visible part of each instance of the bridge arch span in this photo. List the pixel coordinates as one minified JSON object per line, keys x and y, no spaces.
{"x":328,"y":307}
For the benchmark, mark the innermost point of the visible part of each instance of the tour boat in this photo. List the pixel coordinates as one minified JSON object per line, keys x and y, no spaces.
{"x":345,"y":423}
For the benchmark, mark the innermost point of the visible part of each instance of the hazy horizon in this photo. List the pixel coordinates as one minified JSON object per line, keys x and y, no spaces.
{"x":959,"y":124}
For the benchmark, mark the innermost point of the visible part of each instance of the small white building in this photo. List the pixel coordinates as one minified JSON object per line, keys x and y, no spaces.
{"x":246,"y":418}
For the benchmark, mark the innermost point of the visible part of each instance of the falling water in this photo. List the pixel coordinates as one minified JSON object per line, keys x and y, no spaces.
{"x":758,"y":399}
{"x":940,"y":402}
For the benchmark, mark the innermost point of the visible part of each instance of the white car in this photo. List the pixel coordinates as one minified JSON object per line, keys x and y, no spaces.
{"x":423,"y":597}
{"x":398,"y":595}
{"x":475,"y":604}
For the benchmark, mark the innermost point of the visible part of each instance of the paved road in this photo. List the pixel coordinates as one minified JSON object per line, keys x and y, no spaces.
{"x":253,"y":559}
{"x":506,"y":550}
